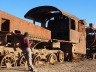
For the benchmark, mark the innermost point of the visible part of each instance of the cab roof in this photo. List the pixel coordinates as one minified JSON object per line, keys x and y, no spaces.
{"x":43,"y":13}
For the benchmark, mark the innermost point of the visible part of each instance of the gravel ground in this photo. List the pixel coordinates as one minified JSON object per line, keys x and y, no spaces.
{"x":82,"y":66}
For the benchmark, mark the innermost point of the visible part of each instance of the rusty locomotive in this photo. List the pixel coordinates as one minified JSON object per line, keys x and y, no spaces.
{"x":62,"y":36}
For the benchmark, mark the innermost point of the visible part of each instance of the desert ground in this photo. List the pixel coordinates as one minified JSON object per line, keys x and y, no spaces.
{"x":82,"y":66}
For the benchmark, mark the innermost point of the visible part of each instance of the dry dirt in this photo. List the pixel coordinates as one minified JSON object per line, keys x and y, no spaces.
{"x":82,"y":66}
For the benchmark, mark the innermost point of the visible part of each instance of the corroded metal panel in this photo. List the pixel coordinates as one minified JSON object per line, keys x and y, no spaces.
{"x":24,"y":26}
{"x":74,"y":36}
{"x":81,"y":46}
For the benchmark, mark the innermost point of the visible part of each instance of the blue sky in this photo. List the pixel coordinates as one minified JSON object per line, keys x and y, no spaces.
{"x":83,"y":9}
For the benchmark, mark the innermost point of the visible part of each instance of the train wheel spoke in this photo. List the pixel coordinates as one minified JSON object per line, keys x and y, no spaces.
{"x":22,"y":61}
{"x":36,"y":60}
{"x":7,"y":59}
{"x":60,"y":56}
{"x":52,"y":58}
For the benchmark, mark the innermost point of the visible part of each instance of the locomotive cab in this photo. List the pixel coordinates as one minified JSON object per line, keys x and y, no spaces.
{"x":61,"y":27}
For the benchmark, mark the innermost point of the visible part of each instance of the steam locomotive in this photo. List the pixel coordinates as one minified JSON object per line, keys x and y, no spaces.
{"x":61,"y":36}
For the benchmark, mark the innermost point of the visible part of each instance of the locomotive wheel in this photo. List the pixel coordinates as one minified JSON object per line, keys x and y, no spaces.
{"x":22,"y":61}
{"x":60,"y":56}
{"x":52,"y":58}
{"x":7,"y":59}
{"x":36,"y":60}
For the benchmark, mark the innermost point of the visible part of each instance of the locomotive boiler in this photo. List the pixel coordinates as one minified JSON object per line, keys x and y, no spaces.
{"x":91,"y":41}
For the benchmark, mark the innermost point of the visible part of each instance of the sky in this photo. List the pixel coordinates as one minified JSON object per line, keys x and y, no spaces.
{"x":83,"y":9}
